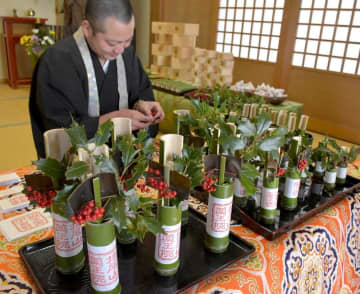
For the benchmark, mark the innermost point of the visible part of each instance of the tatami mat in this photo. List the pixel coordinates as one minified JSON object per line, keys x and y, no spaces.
{"x":14,"y":111}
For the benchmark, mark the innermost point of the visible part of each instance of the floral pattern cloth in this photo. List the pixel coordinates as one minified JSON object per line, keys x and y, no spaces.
{"x":320,"y":256}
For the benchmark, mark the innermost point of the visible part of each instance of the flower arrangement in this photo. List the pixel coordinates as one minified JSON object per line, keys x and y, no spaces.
{"x":37,"y":43}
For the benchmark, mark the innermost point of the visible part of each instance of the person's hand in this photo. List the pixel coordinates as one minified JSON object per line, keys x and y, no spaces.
{"x":151,"y":108}
{"x":138,"y":119}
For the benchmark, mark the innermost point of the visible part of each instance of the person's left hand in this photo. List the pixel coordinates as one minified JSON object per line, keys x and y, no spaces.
{"x":152,"y":108}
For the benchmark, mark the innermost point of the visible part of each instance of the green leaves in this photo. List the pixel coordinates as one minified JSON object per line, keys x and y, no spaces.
{"x":271,"y":143}
{"x":77,"y":170}
{"x":247,"y":128}
{"x":104,"y":132}
{"x":263,"y":123}
{"x":77,"y":135}
{"x":248,"y":175}
{"x":51,"y":168}
{"x":230,"y":144}
{"x":65,"y":192}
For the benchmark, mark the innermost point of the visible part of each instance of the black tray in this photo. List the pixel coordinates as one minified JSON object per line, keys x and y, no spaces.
{"x":136,"y":270}
{"x":309,"y":204}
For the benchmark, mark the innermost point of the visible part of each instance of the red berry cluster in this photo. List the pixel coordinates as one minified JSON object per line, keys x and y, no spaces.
{"x":162,"y":187}
{"x":43,"y":199}
{"x":302,"y":164}
{"x":154,"y":171}
{"x":280,"y":172}
{"x":88,"y":213}
{"x":208,"y":183}
{"x":159,"y":184}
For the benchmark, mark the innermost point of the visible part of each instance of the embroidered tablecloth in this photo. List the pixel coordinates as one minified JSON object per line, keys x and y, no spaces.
{"x":319,"y":256}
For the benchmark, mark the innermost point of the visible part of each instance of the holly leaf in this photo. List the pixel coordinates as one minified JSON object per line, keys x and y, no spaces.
{"x":76,"y":170}
{"x":230,"y":144}
{"x":104,"y":132}
{"x":51,"y":168}
{"x":280,"y":131}
{"x":271,"y":143}
{"x":248,"y":184}
{"x":118,"y":212}
{"x":77,"y":136}
{"x":247,"y":128}
{"x":63,"y":194}
{"x":262,"y":124}
{"x":153,"y":225}
{"x":133,"y":202}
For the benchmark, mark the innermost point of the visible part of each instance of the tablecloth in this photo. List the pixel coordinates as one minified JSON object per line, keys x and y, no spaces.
{"x":319,"y":256}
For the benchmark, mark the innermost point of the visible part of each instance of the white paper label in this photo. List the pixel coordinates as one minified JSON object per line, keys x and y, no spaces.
{"x":103,"y":263}
{"x":238,"y":188}
{"x":269,"y":198}
{"x":167,"y":246}
{"x":67,"y":237}
{"x":292,"y":187}
{"x":185,"y":205}
{"x":219,"y":216}
{"x":13,"y":203}
{"x":341,"y":172}
{"x":330,"y":177}
{"x":318,"y":167}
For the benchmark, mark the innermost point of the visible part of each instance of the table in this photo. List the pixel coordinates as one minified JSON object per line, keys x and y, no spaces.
{"x":170,"y":102}
{"x":320,"y":256}
{"x":11,"y":40}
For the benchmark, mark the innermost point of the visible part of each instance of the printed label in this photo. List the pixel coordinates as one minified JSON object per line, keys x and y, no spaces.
{"x":167,"y":245}
{"x":292,"y":187}
{"x":67,"y":237}
{"x":238,"y":188}
{"x":318,"y":167}
{"x":219,"y":216}
{"x":269,"y":198}
{"x":29,"y":222}
{"x":341,"y":172}
{"x":330,"y":177}
{"x":14,"y":203}
{"x":185,"y":205}
{"x":103,"y":263}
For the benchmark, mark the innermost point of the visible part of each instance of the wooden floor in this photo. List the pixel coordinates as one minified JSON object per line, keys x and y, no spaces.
{"x":17,"y":147}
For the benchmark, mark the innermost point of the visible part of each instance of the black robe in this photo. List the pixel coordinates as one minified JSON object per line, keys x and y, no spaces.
{"x":59,"y":90}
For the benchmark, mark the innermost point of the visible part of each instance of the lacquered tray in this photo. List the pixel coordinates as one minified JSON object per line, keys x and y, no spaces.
{"x":309,"y":204}
{"x":136,"y":264}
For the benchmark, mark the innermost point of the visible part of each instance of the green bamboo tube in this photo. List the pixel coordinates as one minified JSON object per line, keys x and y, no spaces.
{"x":103,"y":260}
{"x":167,"y":246}
{"x":69,"y":254}
{"x":289,"y":199}
{"x":341,"y":173}
{"x":330,"y":179}
{"x":269,"y":197}
{"x":218,"y":218}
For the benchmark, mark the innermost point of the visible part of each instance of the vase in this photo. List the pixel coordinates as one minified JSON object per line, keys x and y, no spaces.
{"x":167,"y":246}
{"x":103,"y":260}
{"x":341,"y":173}
{"x":330,"y":179}
{"x":218,"y":218}
{"x":240,"y":197}
{"x":289,"y":198}
{"x":319,"y":170}
{"x":269,"y":198}
{"x":125,"y":236}
{"x":69,"y":254}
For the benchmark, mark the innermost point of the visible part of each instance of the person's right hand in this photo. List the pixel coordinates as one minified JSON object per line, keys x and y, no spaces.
{"x":138,"y":119}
